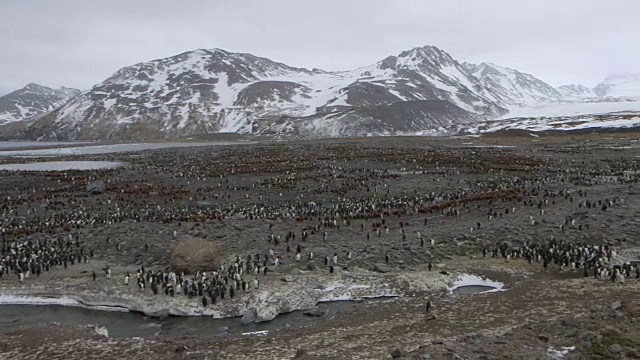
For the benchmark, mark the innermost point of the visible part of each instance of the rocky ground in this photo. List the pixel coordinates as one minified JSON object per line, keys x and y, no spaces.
{"x":540,"y":315}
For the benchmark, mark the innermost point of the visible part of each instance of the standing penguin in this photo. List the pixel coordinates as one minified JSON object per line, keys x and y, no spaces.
{"x":429,"y":306}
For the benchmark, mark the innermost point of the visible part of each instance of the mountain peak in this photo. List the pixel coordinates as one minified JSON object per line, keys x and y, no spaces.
{"x":35,"y":87}
{"x":32,"y":101}
{"x":425,"y":52}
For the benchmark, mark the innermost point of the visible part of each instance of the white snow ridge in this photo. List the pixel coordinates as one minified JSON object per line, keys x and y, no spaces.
{"x":473,"y":280}
{"x":43,"y":300}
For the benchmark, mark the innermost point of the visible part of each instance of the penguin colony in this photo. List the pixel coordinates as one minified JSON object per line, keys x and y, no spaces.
{"x":42,"y":220}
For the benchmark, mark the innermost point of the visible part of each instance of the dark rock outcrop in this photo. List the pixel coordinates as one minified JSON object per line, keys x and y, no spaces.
{"x":382,"y":268}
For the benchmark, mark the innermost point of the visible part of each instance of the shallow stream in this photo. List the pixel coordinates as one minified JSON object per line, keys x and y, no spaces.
{"x":127,"y":324}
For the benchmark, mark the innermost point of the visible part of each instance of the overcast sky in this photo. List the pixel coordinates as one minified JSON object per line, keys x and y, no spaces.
{"x":78,"y":43}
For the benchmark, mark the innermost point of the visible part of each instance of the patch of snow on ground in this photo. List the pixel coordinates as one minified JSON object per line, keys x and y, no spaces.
{"x":359,"y":287}
{"x":474,"y":280}
{"x":258,"y":333}
{"x":333,"y":287}
{"x":559,"y":354}
{"x":341,"y":297}
{"x":342,"y":292}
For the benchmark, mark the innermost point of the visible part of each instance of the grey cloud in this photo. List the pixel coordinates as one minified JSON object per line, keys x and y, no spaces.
{"x":79,"y":43}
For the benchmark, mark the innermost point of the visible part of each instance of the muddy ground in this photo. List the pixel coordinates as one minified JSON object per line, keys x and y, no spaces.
{"x":540,"y":310}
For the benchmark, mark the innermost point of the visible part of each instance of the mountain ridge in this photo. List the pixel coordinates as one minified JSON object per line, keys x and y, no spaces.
{"x":215,"y":90}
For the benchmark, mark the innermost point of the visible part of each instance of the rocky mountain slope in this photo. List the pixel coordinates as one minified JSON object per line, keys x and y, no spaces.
{"x":32,"y":101}
{"x":620,"y":85}
{"x":511,"y":87}
{"x":575,"y":91}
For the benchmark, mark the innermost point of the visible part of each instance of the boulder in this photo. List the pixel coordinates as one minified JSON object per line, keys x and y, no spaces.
{"x":101,"y":330}
{"x":249,"y":316}
{"x":315,"y":312}
{"x":615,"y":349}
{"x":266,"y":313}
{"x":194,"y":254}
{"x":96,"y":187}
{"x":382,"y":268}
{"x":616,"y":305}
{"x":543,"y":338}
{"x":398,"y":352}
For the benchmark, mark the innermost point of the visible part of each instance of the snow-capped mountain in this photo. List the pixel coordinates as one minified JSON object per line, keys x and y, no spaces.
{"x":32,"y":101}
{"x":576,"y":91}
{"x":620,"y":85}
{"x":509,"y":87}
{"x":205,"y":91}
